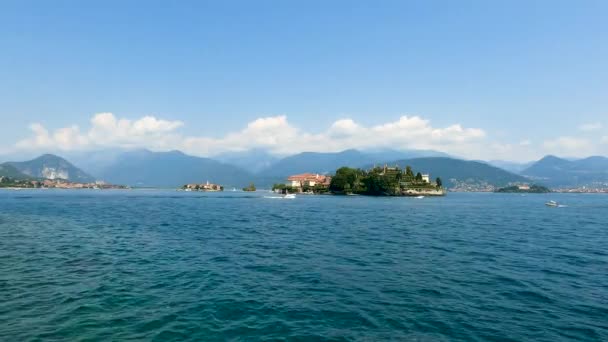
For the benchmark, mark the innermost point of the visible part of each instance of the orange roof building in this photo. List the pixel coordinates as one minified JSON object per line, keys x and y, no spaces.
{"x":308,"y":179}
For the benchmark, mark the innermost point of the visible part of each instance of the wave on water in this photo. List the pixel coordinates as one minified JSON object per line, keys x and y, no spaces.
{"x":160,"y":266}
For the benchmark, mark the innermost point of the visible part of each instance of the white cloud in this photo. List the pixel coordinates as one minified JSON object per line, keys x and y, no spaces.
{"x":105,"y":131}
{"x":589,"y":127}
{"x":273,"y":133}
{"x":569,"y":146}
{"x":277,"y":135}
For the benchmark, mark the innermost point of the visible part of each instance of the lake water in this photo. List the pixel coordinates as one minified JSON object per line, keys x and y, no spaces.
{"x":167,"y":265}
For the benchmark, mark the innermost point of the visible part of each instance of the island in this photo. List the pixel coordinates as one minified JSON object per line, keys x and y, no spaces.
{"x":203,"y":187}
{"x":527,"y":189}
{"x":250,"y":188}
{"x":385,"y":181}
{"x":377,"y":181}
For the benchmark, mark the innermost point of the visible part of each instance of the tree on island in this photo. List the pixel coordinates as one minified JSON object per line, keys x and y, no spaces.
{"x":344,"y":176}
{"x":251,"y":187}
{"x":283,"y":188}
{"x":347,"y":189}
{"x":409,"y":174}
{"x":378,"y":182}
{"x":438,"y":182}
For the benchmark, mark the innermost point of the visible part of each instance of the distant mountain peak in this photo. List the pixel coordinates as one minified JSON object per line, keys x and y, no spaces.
{"x":52,"y":167}
{"x":551,"y":157}
{"x":562,"y":172}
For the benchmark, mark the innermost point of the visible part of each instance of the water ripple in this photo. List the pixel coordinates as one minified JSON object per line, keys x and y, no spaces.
{"x":166,"y":266}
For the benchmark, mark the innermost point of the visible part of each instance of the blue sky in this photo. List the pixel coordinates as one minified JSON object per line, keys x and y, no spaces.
{"x":531,"y":75}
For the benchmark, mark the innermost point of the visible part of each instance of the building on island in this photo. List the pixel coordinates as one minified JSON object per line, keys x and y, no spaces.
{"x":203,"y":187}
{"x":308,"y":180}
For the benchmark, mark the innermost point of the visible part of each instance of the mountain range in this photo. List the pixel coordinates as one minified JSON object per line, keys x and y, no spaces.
{"x":453,"y":171}
{"x":327,"y":163}
{"x":557,"y":172}
{"x":172,"y":169}
{"x":48,"y":166}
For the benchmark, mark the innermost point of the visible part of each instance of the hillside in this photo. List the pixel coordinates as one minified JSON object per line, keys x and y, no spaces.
{"x":456,"y":171}
{"x":514,"y":167}
{"x":8,"y":170}
{"x":558,"y":172}
{"x":316,"y":162}
{"x":254,"y":160}
{"x":171,"y":169}
{"x":52,"y":167}
{"x":324,"y":163}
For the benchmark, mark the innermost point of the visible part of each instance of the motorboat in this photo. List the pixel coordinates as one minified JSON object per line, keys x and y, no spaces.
{"x":289,"y":196}
{"x":552,"y":204}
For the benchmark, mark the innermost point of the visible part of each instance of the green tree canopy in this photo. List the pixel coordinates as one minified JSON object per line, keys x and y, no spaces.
{"x":408,"y":172}
{"x":344,"y":176}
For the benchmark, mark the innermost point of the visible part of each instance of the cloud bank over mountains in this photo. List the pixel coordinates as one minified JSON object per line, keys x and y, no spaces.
{"x":277,"y":135}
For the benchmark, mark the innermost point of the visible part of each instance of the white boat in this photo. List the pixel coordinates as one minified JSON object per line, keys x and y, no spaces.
{"x":420,"y":196}
{"x":552,"y":204}
{"x":289,"y":196}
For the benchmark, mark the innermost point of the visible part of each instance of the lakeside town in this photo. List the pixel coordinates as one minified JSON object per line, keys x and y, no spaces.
{"x":8,"y":182}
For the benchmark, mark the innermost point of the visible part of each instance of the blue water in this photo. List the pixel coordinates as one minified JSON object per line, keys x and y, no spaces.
{"x":166,"y":265}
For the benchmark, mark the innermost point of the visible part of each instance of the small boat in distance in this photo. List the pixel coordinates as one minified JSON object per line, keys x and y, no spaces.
{"x":420,"y":196}
{"x":552,"y":204}
{"x":289,"y":196}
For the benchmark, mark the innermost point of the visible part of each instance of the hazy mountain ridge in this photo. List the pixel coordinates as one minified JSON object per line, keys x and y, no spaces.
{"x":8,"y":170}
{"x":453,"y":171}
{"x":328,"y":162}
{"x":510,"y":166}
{"x":171,"y":169}
{"x":50,"y":166}
{"x":557,"y":171}
{"x":253,"y":161}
